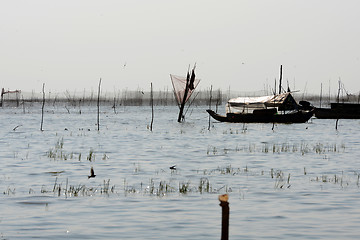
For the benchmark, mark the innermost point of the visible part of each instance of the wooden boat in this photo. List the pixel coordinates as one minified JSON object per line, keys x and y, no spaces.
{"x":300,"y":116}
{"x":339,"y":111}
{"x":280,"y":108}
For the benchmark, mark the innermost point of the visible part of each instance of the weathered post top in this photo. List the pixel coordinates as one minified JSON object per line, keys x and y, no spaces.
{"x":225,"y":216}
{"x":223,"y":198}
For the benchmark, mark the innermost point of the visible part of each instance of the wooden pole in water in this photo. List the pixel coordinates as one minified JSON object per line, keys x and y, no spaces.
{"x":338,"y":95}
{"x":23,"y":103}
{"x":320,"y":94}
{"x":2,"y":97}
{"x":42,"y":108}
{"x":275,"y":88}
{"x":114,"y":105}
{"x":152,"y":107}
{"x":224,"y":204}
{"x":336,"y":124}
{"x":184,"y":98}
{"x":210,"y":106}
{"x":98,"y":107}
{"x":338,"y":100}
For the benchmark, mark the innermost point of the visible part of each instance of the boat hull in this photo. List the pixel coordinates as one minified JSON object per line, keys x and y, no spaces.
{"x":328,"y":113}
{"x":339,"y":111}
{"x":295,"y":117}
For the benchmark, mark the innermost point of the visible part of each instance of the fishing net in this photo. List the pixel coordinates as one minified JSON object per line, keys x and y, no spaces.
{"x":179,"y":85}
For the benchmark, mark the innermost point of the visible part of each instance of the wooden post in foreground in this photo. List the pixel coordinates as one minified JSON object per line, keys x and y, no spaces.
{"x":224,"y":204}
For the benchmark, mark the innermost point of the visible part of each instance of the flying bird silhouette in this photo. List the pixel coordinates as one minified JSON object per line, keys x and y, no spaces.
{"x":173,"y":167}
{"x":92,"y":173}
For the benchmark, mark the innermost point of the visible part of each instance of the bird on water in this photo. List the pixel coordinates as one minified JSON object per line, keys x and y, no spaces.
{"x":92,"y":173}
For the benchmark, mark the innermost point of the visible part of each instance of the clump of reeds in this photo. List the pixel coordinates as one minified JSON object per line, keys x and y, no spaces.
{"x":58,"y":153}
{"x":204,"y":185}
{"x":9,"y":191}
{"x":280,"y":180}
{"x":184,"y":187}
{"x":91,"y":156}
{"x":335,"y":179}
{"x":163,"y":188}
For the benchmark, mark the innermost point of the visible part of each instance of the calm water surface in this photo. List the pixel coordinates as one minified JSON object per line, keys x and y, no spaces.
{"x":297,"y":181}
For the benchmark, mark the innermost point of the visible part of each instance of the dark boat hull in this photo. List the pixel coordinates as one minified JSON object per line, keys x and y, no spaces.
{"x":339,"y":111}
{"x":328,"y":113}
{"x":296,"y":117}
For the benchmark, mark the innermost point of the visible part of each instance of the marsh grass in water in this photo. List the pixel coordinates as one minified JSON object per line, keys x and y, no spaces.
{"x":338,"y":179}
{"x":163,"y":187}
{"x":68,"y":190}
{"x":302,"y":148}
{"x":58,"y":153}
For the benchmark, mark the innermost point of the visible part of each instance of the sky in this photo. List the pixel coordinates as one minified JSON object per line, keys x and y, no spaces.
{"x":236,"y":44}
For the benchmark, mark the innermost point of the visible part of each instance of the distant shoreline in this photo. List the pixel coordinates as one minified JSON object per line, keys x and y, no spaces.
{"x":161,"y":98}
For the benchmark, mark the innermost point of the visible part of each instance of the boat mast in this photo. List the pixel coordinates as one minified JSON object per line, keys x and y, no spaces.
{"x":280,"y":79}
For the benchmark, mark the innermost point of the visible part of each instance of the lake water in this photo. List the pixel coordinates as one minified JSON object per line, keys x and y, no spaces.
{"x":290,"y":181}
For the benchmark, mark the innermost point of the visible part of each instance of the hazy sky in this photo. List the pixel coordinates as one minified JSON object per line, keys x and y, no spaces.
{"x":69,"y":45}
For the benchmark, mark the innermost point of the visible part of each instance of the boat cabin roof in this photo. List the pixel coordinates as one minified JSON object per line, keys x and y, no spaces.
{"x":284,"y":101}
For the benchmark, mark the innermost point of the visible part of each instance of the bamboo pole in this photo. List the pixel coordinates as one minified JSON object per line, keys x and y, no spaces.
{"x":210,"y":106}
{"x":338,"y":95}
{"x":42,"y":108}
{"x":184,"y":98}
{"x":338,"y":100}
{"x":98,"y":107}
{"x":152,"y":107}
{"x":114,"y":105}
{"x":320,"y":94}
{"x":224,"y":204}
{"x":336,"y":124}
{"x":23,"y":103}
{"x":2,"y":97}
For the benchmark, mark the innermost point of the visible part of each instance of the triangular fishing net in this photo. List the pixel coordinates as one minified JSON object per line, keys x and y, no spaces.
{"x":179,"y":84}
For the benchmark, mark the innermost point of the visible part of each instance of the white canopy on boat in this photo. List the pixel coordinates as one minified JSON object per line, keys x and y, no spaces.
{"x":250,"y":100}
{"x":283,"y":101}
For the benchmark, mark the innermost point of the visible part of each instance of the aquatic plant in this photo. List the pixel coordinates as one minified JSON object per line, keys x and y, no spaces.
{"x":91,"y":156}
{"x":105,"y":157}
{"x":335,"y":179}
{"x":106,"y":188}
{"x":204,"y":185}
{"x":184,"y":187}
{"x":9,"y":191}
{"x":58,"y":153}
{"x":280,"y":181}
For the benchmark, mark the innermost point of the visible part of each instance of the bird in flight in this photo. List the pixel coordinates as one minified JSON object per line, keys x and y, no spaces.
{"x":92,"y":173}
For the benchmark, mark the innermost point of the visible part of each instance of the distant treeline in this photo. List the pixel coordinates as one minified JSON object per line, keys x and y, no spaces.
{"x":121,"y":98}
{"x":161,"y":98}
